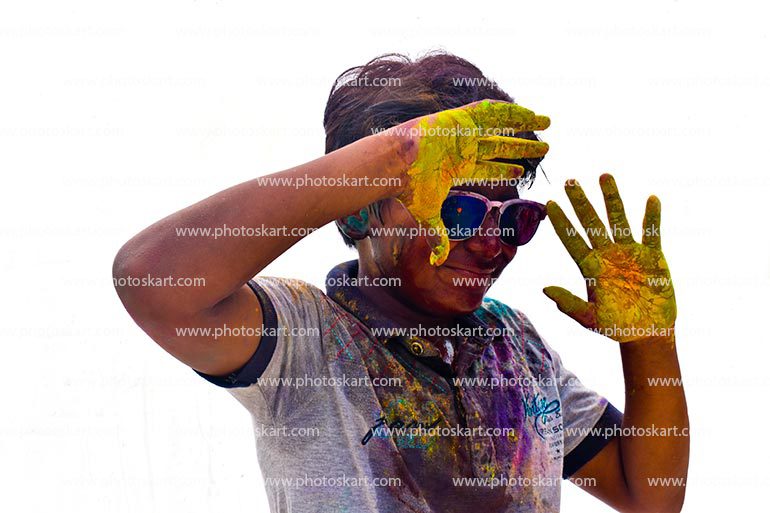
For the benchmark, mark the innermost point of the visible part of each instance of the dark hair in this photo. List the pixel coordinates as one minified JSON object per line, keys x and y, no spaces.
{"x":392,"y":88}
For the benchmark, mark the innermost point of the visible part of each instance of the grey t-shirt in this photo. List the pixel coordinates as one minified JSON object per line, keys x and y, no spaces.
{"x":347,"y":422}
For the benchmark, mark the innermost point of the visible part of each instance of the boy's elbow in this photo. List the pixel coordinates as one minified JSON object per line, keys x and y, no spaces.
{"x":127,"y":267}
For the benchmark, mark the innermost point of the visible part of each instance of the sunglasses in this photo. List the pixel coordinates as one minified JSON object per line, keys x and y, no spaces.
{"x":464,"y":212}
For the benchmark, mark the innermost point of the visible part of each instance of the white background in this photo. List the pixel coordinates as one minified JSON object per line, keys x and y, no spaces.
{"x":113,"y":115}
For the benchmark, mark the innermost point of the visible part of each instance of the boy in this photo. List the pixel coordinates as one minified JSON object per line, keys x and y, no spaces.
{"x":411,"y":390}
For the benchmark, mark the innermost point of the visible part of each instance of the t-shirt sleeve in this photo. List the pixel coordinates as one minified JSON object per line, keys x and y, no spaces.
{"x":290,"y":347}
{"x":589,"y":419}
{"x":253,"y":369}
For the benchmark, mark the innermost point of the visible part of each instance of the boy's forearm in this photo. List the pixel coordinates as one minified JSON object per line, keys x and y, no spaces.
{"x":655,"y":442}
{"x":283,"y":210}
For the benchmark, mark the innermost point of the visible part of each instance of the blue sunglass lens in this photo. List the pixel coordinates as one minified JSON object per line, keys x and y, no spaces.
{"x":462,"y":215}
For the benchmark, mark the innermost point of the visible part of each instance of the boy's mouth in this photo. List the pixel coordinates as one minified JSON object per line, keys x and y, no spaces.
{"x":471,"y":272}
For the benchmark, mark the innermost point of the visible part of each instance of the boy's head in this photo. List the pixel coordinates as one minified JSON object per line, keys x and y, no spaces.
{"x":388,"y":91}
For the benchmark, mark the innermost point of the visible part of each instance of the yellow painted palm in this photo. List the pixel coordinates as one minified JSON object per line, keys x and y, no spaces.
{"x":630,"y":294}
{"x":467,"y":144}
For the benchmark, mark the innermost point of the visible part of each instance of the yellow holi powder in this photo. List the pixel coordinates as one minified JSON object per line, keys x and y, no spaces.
{"x":630,"y":292}
{"x":459,"y":146}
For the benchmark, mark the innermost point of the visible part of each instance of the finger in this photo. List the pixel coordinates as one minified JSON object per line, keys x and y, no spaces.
{"x":573,"y":306}
{"x":489,"y":172}
{"x":576,"y":246}
{"x":507,"y":115}
{"x":499,"y":147}
{"x":651,"y":236}
{"x":616,"y":213}
{"x":594,"y":227}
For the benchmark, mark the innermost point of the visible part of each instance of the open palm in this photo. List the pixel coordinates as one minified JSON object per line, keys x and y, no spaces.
{"x":630,"y":294}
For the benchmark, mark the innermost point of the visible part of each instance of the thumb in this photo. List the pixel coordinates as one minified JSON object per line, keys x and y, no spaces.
{"x":428,"y":218}
{"x":579,"y":310}
{"x":438,"y":240}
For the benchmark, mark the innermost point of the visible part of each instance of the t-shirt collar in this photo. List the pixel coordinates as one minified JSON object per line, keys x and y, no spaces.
{"x":340,"y":286}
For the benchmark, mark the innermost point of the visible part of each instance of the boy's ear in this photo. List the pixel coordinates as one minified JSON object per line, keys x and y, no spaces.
{"x":355,"y":226}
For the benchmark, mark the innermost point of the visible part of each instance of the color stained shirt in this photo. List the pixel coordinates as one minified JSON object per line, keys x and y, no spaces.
{"x":352,"y":413}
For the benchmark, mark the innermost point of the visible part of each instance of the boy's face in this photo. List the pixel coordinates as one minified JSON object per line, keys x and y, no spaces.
{"x":455,"y":288}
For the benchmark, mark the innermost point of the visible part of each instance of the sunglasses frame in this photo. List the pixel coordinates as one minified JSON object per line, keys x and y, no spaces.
{"x":501,"y":207}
